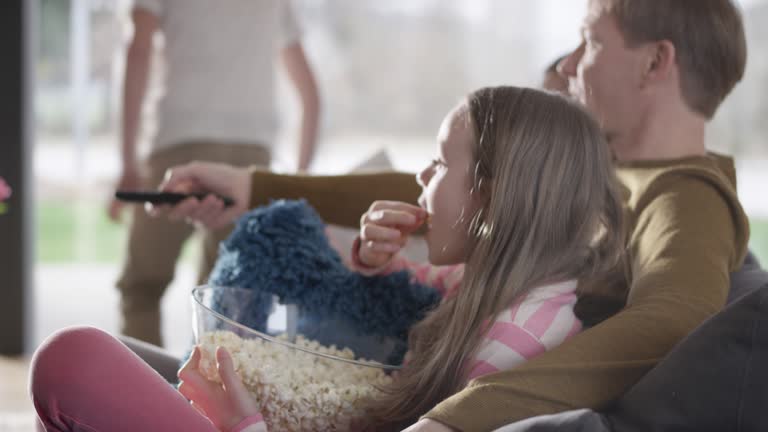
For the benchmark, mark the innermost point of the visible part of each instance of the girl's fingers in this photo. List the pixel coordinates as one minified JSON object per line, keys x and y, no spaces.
{"x":370,"y":232}
{"x":226,"y":369}
{"x":389,"y":248}
{"x":375,"y":259}
{"x":194,"y":385}
{"x":190,"y":372}
{"x":408,"y":229}
{"x":205,"y":391}
{"x":396,"y":205}
{"x":197,"y":388}
{"x":394,"y":218}
{"x":192,"y":364}
{"x":187,"y":391}
{"x":232,"y":383}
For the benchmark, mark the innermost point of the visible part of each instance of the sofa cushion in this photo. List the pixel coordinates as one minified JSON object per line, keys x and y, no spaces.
{"x":749,"y":277}
{"x":716,"y":379}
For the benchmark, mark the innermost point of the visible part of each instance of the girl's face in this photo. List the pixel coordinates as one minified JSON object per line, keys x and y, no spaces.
{"x":446,"y":185}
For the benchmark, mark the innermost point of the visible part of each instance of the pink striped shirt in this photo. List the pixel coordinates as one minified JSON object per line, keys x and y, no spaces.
{"x":542,"y":320}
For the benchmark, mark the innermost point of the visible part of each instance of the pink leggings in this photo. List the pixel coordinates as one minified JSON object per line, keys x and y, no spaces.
{"x":83,"y":379}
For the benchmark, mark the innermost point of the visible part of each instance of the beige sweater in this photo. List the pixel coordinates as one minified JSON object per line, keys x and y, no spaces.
{"x":686,"y":233}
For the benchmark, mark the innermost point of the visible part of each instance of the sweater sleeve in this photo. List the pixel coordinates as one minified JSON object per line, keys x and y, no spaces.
{"x":339,"y":200}
{"x":685,"y":241}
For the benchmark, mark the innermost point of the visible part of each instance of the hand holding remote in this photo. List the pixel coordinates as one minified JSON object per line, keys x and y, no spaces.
{"x":213,"y":181}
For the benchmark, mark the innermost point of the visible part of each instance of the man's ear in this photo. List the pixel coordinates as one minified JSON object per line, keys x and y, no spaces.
{"x":661,"y":61}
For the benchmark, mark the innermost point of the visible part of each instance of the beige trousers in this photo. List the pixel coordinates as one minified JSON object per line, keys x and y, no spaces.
{"x":154,"y":244}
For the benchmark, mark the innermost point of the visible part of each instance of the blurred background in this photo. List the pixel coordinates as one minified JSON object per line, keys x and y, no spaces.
{"x":387,"y":73}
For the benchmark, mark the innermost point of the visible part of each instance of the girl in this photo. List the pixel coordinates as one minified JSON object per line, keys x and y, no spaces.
{"x":522,"y":191}
{"x":521,"y":198}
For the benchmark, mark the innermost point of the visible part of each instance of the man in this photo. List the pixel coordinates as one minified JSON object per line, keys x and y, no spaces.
{"x":653,"y":72}
{"x":218,"y":105}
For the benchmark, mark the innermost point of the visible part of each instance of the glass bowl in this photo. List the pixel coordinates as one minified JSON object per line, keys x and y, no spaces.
{"x":307,"y":372}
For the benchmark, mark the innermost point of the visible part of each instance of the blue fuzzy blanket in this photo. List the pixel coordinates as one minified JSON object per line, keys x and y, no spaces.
{"x":281,"y":249}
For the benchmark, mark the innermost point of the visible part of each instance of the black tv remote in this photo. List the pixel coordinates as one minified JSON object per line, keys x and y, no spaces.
{"x":156,"y":197}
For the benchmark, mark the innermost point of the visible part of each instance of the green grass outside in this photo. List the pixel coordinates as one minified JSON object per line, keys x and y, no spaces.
{"x":61,"y":224}
{"x":82,"y":232}
{"x":758,"y":240}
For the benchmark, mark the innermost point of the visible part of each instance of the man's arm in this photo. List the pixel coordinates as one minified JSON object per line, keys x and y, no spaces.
{"x":340,"y":199}
{"x":134,"y":89}
{"x":301,"y":76}
{"x":685,"y":243}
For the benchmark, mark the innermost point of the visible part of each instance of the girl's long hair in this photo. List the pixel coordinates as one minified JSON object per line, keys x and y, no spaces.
{"x":549,"y":210}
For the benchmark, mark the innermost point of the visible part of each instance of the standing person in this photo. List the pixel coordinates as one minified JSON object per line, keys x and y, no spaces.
{"x":653,"y":72}
{"x":218,"y":105}
{"x":530,"y":205}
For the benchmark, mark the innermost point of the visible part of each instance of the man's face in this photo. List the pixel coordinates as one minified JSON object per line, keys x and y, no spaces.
{"x":604,"y":74}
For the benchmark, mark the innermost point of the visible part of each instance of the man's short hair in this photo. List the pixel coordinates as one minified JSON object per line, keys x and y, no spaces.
{"x":709,"y":41}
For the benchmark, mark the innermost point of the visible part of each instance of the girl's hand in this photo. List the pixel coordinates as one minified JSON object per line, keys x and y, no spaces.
{"x":225,"y":404}
{"x":218,"y":178}
{"x":384,"y":230}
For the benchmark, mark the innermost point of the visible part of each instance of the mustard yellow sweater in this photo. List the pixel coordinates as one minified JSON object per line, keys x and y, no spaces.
{"x":686,"y":233}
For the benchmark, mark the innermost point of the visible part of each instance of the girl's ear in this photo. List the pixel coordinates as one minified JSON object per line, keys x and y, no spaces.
{"x":479,"y":195}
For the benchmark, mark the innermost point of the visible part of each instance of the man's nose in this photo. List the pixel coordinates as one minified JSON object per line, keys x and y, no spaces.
{"x":567,"y":67}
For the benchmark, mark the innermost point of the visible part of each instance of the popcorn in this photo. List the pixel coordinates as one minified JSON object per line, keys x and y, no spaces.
{"x":297,"y":390}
